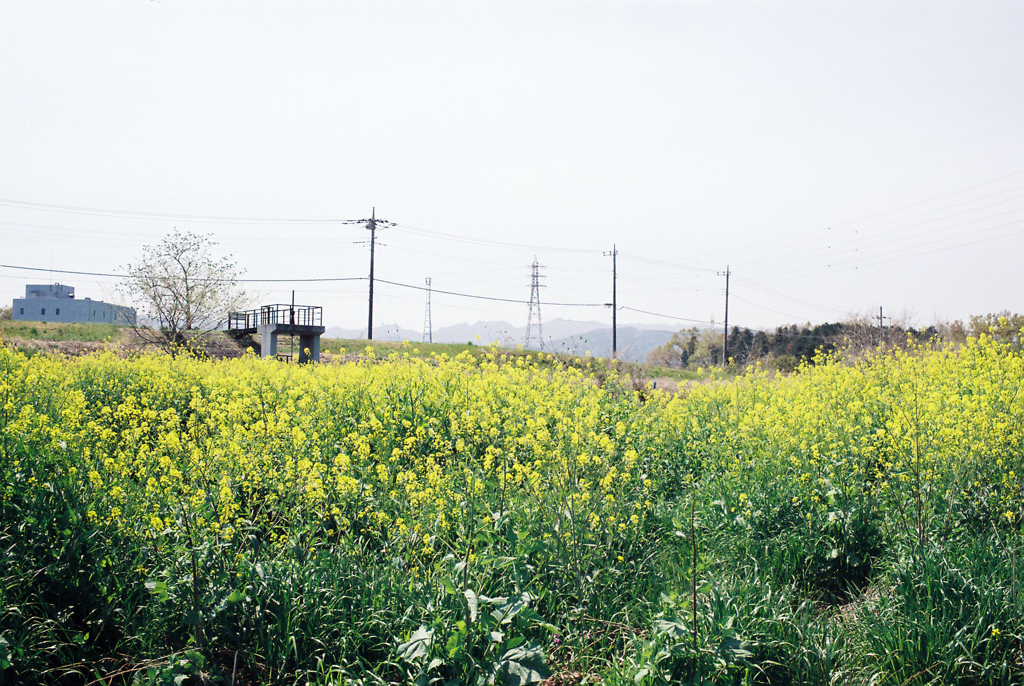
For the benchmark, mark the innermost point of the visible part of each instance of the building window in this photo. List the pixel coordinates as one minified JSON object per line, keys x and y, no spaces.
{"x":21,"y":310}
{"x":58,"y":311}
{"x":43,"y":311}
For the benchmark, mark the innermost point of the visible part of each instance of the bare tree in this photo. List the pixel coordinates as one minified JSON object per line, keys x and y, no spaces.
{"x":183,"y":291}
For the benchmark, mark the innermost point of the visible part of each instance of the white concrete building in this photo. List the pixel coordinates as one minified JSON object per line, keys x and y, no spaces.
{"x":56,"y":303}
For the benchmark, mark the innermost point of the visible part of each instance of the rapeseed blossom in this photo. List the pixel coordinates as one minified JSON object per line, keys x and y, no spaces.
{"x":408,"y":451}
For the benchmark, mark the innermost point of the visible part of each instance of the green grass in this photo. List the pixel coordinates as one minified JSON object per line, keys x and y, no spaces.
{"x":598,"y":366}
{"x":675,"y":373}
{"x":337,"y":346}
{"x":57,"y":331}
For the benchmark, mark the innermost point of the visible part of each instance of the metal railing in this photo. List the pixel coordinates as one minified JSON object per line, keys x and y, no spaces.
{"x":292,"y":315}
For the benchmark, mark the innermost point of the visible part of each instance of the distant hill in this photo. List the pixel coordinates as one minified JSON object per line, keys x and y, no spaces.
{"x":480,"y":333}
{"x":380,"y":333}
{"x":633,"y":343}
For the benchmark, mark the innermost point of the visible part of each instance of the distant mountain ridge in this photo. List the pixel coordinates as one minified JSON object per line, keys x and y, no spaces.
{"x":560,"y":335}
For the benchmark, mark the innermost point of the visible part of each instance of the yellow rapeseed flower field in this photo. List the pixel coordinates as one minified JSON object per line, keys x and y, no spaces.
{"x":185,"y":486}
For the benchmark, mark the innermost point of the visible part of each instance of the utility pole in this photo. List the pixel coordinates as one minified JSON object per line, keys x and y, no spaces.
{"x":881,"y":326}
{"x":428,"y":326}
{"x":535,"y":286}
{"x":725,"y":346}
{"x":372,"y":227}
{"x":615,"y":303}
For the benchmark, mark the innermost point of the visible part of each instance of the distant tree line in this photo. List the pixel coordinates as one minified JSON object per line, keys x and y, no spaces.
{"x":788,"y":346}
{"x":1005,"y":325}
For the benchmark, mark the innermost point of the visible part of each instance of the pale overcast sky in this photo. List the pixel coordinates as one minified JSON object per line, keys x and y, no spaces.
{"x":837,"y":156}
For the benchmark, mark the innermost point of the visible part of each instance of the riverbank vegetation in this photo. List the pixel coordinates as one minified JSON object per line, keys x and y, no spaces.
{"x":507,"y":519}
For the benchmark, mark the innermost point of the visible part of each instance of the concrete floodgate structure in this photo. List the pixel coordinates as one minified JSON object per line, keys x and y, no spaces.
{"x":56,"y":303}
{"x":271,"y":321}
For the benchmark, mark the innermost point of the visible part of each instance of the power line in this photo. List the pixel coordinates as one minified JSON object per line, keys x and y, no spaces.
{"x":487,"y":242}
{"x":487,"y":297}
{"x":121,"y":276}
{"x":665,"y":263}
{"x":936,"y":197}
{"x":856,"y":264}
{"x":805,"y":255}
{"x":862,"y":233}
{"x":810,"y":253}
{"x":233,"y":219}
{"x":324,"y":280}
{"x":785,"y":314}
{"x":167,"y":216}
{"x":776,"y":241}
{"x":666,"y":316}
{"x":782,"y":296}
{"x":59,"y":271}
{"x":780,"y":331}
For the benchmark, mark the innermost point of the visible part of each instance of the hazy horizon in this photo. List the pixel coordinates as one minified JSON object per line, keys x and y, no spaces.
{"x":836,"y":157}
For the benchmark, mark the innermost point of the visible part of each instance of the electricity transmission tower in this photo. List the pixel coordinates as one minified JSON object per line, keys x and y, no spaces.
{"x":428,"y":327}
{"x":535,"y":286}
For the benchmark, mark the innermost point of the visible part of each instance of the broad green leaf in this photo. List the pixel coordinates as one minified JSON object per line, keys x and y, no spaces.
{"x":454,"y":645}
{"x":471,"y":601}
{"x":734,"y":650}
{"x":671,"y":628}
{"x":416,"y":647}
{"x":507,"y":612}
{"x":523,"y":665}
{"x":159,"y":588}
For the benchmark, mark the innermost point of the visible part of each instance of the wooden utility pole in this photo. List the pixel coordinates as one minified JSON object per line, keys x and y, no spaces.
{"x":372,"y":226}
{"x":615,"y":304}
{"x":725,"y":346}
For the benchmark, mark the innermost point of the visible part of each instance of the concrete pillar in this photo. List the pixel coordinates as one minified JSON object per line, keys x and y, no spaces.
{"x":268,"y":341}
{"x":312,"y":342}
